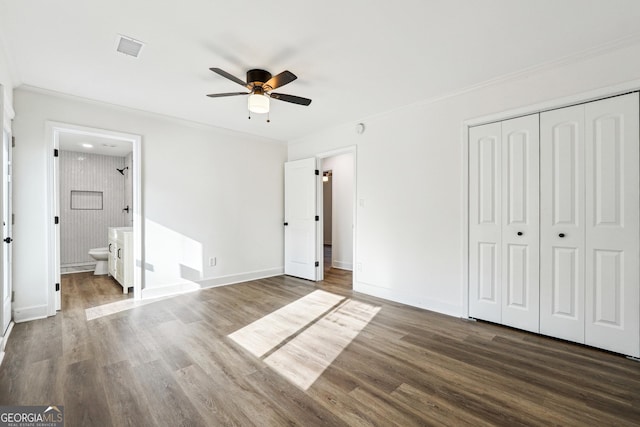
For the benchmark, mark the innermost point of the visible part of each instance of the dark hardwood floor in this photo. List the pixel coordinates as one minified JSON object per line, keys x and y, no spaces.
{"x":179,"y":361}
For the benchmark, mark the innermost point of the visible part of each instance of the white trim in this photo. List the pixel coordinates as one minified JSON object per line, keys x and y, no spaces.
{"x":523,"y":74}
{"x":392,"y":295}
{"x":30,"y":313}
{"x":214,"y":282}
{"x":53,"y":129}
{"x":343,"y":265}
{"x":183,"y":122}
{"x":580,"y":98}
{"x":351,"y":149}
{"x":464,"y":131}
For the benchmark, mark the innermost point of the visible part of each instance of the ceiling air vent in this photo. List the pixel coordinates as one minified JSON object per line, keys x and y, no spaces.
{"x":129,"y":46}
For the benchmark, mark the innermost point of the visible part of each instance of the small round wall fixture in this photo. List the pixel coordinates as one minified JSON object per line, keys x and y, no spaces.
{"x":360,"y":128}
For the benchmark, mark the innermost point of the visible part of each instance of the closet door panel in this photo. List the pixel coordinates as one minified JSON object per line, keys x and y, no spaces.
{"x":562,"y":252}
{"x":520,"y":228}
{"x":485,"y":222}
{"x":612,"y":224}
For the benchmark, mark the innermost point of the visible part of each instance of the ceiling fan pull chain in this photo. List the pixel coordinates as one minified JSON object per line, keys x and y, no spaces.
{"x":268,"y":117}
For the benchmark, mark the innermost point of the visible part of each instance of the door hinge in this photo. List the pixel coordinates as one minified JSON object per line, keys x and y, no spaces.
{"x":317,"y":263}
{"x":13,"y":219}
{"x":55,"y":152}
{"x":57,"y":287}
{"x":13,"y":141}
{"x":317,"y":217}
{"x":317,"y":172}
{"x":13,"y":296}
{"x":56,"y":220}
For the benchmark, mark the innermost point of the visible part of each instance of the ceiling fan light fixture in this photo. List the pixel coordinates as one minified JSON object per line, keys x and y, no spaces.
{"x":258,"y":104}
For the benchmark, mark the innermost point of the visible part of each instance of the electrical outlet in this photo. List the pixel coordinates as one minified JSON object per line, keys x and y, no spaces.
{"x":212,"y":261}
{"x":359,"y":266}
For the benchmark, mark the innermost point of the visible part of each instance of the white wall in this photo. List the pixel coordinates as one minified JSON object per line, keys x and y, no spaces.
{"x":409,"y":236}
{"x":5,"y":77}
{"x":341,"y":209}
{"x":206,"y":192}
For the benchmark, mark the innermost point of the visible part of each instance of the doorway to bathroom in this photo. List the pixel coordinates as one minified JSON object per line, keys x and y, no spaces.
{"x":95,"y":192}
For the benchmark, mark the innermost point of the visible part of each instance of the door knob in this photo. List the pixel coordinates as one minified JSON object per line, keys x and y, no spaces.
{"x":520,"y":233}
{"x":286,"y":223}
{"x":8,"y":240}
{"x":561,"y":235}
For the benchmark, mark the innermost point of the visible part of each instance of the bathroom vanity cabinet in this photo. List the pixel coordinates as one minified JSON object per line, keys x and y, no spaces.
{"x":121,"y":256}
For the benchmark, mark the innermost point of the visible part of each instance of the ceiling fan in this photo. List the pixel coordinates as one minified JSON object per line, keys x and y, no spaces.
{"x":261,"y":84}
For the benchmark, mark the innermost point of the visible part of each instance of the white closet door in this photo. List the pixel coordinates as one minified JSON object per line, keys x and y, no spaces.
{"x":612,"y":225}
{"x":520,"y":228}
{"x":562,"y":229}
{"x":485,"y":222}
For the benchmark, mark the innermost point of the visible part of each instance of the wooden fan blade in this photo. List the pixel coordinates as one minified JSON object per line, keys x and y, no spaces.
{"x":219,"y":95}
{"x":281,"y":79}
{"x":290,"y":98}
{"x":231,"y":77}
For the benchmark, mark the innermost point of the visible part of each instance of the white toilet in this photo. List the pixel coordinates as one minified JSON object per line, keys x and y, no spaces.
{"x":101,"y":255}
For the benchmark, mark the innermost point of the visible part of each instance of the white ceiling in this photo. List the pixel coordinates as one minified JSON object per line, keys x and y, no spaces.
{"x":94,"y":144}
{"x":354,"y":58}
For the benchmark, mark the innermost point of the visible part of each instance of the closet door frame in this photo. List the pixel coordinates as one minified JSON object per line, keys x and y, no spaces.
{"x":539,"y":107}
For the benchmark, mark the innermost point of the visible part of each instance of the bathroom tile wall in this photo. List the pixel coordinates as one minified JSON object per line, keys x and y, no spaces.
{"x":84,"y":229}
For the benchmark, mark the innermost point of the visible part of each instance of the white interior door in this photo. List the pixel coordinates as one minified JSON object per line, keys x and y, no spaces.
{"x":520,"y":227}
{"x":485,"y":227}
{"x":6,"y":230}
{"x":56,"y":207}
{"x":612,"y":313}
{"x":300,"y":183}
{"x":562,"y":238}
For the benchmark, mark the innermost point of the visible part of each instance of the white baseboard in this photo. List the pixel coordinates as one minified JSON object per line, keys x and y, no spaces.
{"x":426,"y":304}
{"x":30,"y":313}
{"x":188,"y":286}
{"x":343,"y":265}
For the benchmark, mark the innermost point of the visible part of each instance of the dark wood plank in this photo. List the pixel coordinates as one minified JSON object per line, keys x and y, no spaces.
{"x":85,"y":401}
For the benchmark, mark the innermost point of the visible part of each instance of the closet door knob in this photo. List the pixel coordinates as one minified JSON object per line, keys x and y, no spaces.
{"x":520,"y":233}
{"x":561,"y":235}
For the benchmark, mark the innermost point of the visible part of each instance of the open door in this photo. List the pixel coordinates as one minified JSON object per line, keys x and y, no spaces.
{"x":56,"y":221}
{"x":300,"y":183}
{"x":6,"y":230}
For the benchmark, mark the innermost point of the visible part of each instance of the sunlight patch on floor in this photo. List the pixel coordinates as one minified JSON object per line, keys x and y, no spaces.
{"x":266,"y":333}
{"x":314,"y":342}
{"x":117,"y":307}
